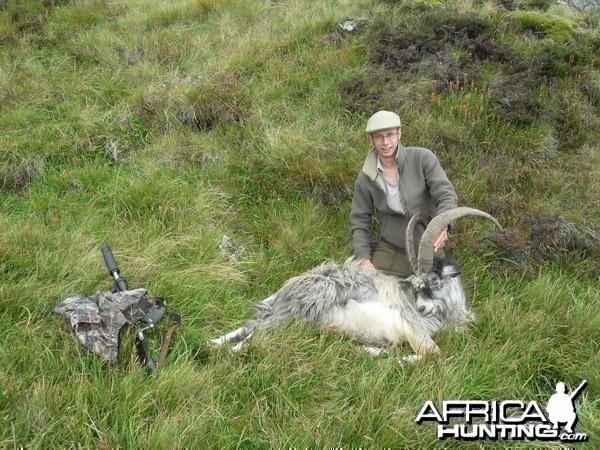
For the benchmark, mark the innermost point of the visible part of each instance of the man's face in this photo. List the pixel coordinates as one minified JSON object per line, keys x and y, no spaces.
{"x":386,"y":142}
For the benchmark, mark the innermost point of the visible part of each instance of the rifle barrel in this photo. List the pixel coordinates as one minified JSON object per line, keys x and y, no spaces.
{"x":576,"y":392}
{"x":113,"y":268}
{"x":109,"y":259}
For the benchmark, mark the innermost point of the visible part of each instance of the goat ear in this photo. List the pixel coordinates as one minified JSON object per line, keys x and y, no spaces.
{"x":451,"y":270}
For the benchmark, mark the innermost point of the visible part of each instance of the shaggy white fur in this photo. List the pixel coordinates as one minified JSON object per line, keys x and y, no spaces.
{"x":375,"y":309}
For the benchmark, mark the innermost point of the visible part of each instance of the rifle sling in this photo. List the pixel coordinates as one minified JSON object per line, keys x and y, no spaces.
{"x":167,"y":340}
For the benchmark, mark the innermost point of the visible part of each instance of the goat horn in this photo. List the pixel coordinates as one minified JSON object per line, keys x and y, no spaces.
{"x":436,"y":226}
{"x":411,"y":251}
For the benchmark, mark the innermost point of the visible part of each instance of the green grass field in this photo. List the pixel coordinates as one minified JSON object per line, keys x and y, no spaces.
{"x":161,"y":127}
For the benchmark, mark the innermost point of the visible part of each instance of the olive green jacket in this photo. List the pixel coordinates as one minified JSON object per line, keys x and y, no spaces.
{"x":423,"y":185}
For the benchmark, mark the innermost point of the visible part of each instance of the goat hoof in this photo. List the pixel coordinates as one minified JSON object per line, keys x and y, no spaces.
{"x":215,"y":342}
{"x":410,"y":359}
{"x":374,"y":351}
{"x":237,"y":347}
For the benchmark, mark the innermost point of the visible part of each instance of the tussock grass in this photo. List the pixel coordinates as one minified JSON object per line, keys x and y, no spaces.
{"x":162,"y":127}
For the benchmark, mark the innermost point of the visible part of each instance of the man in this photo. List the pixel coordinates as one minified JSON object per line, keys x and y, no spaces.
{"x":395,"y":183}
{"x":560,"y":408}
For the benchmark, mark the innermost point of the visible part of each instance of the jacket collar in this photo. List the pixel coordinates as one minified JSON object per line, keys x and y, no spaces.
{"x":370,"y":165}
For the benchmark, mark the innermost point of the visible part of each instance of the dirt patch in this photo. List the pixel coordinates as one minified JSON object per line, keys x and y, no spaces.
{"x":448,"y":48}
{"x":546,"y":237}
{"x":365,"y":91}
{"x":515,"y":99}
{"x":444,"y":46}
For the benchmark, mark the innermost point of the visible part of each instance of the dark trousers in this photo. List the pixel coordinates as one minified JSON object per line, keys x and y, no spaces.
{"x":393,"y":260}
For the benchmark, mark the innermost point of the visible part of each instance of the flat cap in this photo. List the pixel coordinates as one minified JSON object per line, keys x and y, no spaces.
{"x":383,"y":120}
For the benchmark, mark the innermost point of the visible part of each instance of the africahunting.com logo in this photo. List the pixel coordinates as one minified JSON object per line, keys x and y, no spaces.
{"x":508,"y":419}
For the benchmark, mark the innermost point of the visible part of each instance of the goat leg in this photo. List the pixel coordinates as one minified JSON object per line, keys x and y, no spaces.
{"x":237,"y":347}
{"x":238,"y":335}
{"x":420,"y":340}
{"x":266,"y":304}
{"x":410,"y":359}
{"x":374,"y":351}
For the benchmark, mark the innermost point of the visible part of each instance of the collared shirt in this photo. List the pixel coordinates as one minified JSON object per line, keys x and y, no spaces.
{"x":392,"y":191}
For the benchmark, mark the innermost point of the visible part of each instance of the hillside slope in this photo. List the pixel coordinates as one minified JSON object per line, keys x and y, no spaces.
{"x":214,"y":145}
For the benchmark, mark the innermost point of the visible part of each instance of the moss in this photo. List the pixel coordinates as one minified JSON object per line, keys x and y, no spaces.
{"x":556,"y":28}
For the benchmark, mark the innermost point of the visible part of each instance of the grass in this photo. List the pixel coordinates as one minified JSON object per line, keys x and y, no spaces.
{"x":160,"y":128}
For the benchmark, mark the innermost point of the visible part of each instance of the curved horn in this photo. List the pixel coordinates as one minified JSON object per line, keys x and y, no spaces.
{"x":436,"y":226}
{"x":411,"y":250}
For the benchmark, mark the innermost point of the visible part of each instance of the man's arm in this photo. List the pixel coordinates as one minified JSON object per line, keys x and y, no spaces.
{"x":441,"y":191}
{"x":361,"y":219}
{"x":440,"y":188}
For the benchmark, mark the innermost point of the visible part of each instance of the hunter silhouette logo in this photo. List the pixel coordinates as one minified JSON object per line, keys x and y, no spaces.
{"x":561,"y":407}
{"x":508,"y":419}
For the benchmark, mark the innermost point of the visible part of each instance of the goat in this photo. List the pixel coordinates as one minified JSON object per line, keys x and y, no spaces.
{"x":374,"y":308}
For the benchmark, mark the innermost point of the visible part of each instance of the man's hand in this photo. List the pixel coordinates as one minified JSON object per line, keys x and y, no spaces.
{"x":368,"y":266}
{"x":439,"y":243}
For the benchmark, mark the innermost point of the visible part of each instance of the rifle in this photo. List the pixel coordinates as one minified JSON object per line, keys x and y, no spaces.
{"x":148,"y":322}
{"x":576,"y":392}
